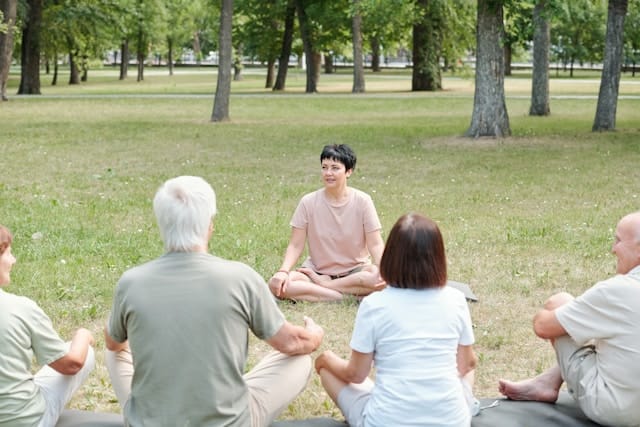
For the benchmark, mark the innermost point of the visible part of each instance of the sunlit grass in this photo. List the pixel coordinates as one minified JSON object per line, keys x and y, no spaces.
{"x":523,"y":217}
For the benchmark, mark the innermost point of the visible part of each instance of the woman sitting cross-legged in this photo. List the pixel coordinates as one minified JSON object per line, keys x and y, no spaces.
{"x":417,"y":332}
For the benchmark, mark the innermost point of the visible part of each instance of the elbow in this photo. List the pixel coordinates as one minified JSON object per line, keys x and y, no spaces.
{"x":73,"y":368}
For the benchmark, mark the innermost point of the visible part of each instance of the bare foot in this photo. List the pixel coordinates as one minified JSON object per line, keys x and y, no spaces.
{"x":316,"y":278}
{"x":537,"y":389}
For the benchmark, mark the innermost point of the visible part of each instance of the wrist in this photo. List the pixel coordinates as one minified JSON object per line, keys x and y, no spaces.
{"x":282,"y":270}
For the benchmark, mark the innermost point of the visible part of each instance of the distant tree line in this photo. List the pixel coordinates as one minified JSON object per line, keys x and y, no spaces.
{"x":438,"y":35}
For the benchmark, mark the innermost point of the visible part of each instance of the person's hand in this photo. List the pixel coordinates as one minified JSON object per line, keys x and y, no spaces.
{"x":86,"y":334}
{"x":321,"y":361}
{"x":278,"y":283}
{"x":315,"y":329}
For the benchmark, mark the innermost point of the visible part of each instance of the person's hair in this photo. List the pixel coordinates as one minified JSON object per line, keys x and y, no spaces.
{"x":184,"y":208}
{"x":414,"y":255}
{"x":341,"y":153}
{"x":5,"y":239}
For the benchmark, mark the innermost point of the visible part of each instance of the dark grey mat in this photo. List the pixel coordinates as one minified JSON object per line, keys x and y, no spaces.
{"x":73,"y":418}
{"x":508,"y":413}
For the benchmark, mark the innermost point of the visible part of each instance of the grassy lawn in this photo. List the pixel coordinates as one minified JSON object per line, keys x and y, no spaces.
{"x":523,"y":217}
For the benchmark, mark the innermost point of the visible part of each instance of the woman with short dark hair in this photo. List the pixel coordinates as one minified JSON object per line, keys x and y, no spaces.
{"x":418,"y":334}
{"x":340,"y":226}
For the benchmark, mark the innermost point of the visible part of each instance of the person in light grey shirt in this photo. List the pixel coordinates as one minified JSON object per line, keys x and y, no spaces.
{"x":596,"y":337}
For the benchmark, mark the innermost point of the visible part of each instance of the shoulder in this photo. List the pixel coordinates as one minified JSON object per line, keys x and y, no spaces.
{"x":310,"y":197}
{"x":360,"y":195}
{"x":18,"y":301}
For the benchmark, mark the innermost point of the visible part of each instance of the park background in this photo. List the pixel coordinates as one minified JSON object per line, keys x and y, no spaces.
{"x":523,"y":216}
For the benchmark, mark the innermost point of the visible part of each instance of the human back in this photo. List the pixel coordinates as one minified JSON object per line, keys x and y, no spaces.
{"x":415,"y":337}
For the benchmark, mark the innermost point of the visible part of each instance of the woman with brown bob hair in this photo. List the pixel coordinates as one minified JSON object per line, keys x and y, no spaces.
{"x":28,"y":399}
{"x":417,"y":332}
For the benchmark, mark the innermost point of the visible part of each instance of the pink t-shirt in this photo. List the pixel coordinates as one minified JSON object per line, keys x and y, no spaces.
{"x":336,"y":234}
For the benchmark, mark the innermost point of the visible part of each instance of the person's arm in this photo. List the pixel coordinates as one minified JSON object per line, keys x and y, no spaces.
{"x":375,"y":245}
{"x":466,"y":359}
{"x":293,"y":340}
{"x":546,"y":325}
{"x":278,"y":281}
{"x":74,"y":360}
{"x":112,"y":344}
{"x":355,"y":370}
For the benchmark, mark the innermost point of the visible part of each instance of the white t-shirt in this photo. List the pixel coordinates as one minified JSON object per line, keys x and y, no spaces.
{"x":414,"y":335}
{"x":609,"y":314}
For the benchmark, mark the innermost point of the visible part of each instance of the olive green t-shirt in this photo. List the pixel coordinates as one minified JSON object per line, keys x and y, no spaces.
{"x":187,"y":317}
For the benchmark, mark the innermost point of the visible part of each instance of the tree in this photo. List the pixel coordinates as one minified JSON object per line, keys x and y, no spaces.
{"x":518,"y":29}
{"x":223,"y":88}
{"x":427,"y":45}
{"x":8,"y":12}
{"x":577,"y":32}
{"x":489,"y":116}
{"x":181,"y":25}
{"x":358,"y":60}
{"x":540,"y":76}
{"x":287,"y":41}
{"x":632,"y":37}
{"x":30,"y":50}
{"x":311,"y":61}
{"x":610,"y":81}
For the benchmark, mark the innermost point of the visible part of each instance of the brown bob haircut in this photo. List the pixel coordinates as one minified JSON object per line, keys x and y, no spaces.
{"x":5,"y":238}
{"x":414,"y":254}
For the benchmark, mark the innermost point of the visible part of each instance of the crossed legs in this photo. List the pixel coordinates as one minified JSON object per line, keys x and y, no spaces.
{"x":273,"y":383}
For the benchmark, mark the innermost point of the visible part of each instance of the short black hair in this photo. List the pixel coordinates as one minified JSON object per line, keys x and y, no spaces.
{"x":341,"y":153}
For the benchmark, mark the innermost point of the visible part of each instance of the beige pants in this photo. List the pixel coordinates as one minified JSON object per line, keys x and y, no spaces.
{"x":273,"y":383}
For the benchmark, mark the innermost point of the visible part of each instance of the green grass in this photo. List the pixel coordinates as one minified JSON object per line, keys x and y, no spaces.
{"x":523,"y":217}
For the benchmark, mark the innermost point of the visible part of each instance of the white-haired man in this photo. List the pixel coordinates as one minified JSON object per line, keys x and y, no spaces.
{"x":596,"y":337}
{"x":177,"y":337}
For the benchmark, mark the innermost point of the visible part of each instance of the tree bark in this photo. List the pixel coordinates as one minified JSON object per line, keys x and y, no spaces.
{"x":223,"y":88}
{"x":73,"y":69}
{"x":540,"y":76}
{"x":508,"y":53}
{"x":9,"y":10}
{"x":285,"y":52}
{"x":490,"y":116}
{"x":358,"y":60}
{"x":427,"y":46}
{"x":375,"y":54}
{"x":124,"y":59}
{"x":610,"y":81}
{"x":170,"y":55}
{"x":30,"y":53}
{"x":271,"y":69}
{"x":310,"y":55}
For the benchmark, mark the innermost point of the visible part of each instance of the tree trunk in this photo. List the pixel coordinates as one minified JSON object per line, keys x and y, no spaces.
{"x":237,"y":64}
{"x":73,"y":69}
{"x":197,"y":49}
{"x":310,"y":55}
{"x":375,"y":54}
{"x":9,"y":10}
{"x":490,"y":116}
{"x":540,"y":73}
{"x":124,"y":59}
{"x":358,"y":64}
{"x":285,"y":52}
{"x":271,"y":69}
{"x":54,"y":81}
{"x":508,"y":52}
{"x":30,"y":54}
{"x":328,"y":63}
{"x":427,"y":45}
{"x":170,"y":55}
{"x":84,"y":66}
{"x":287,"y":40}
{"x":609,"y":84}
{"x":223,"y":88}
